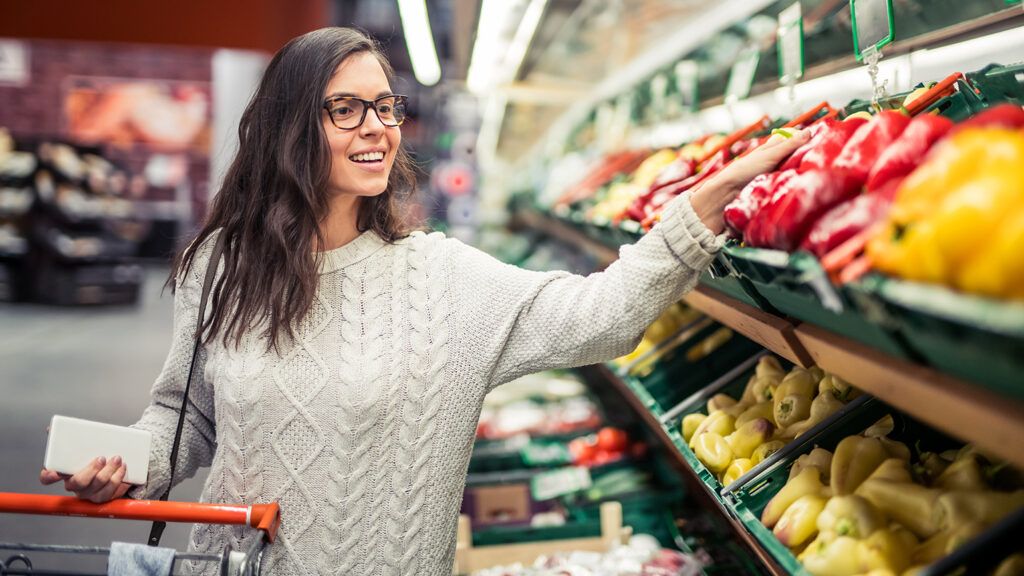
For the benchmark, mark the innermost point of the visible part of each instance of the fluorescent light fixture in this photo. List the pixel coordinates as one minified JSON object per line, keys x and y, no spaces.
{"x":489,"y":45}
{"x":420,"y":41}
{"x":524,"y":35}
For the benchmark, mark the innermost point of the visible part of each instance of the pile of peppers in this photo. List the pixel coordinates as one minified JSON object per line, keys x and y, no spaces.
{"x":950,"y":195}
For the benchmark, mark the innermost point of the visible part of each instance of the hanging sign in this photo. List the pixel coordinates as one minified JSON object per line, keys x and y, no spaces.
{"x":790,"y":41}
{"x":873,"y":25}
{"x":686,"y":73}
{"x":741,"y":78}
{"x":659,"y":96}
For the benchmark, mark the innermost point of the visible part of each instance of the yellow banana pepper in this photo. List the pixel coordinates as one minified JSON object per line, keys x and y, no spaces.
{"x":806,"y":482}
{"x":799,"y":523}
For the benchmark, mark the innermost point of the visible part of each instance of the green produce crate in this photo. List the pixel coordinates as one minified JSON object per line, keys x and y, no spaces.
{"x":749,"y":501}
{"x":975,"y":338}
{"x":720,"y":276}
{"x":797,"y":286}
{"x":997,"y":84}
{"x":733,"y":385}
{"x":677,"y":377}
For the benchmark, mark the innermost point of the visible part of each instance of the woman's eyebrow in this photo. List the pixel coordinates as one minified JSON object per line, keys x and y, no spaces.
{"x":353,"y":95}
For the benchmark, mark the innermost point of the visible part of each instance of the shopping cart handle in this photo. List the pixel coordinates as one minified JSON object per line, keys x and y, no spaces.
{"x":263,"y":517}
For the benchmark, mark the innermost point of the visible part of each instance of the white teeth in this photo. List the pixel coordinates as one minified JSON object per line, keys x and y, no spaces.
{"x":368,"y":157}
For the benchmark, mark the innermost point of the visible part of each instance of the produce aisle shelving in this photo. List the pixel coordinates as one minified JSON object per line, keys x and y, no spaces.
{"x":941,"y":400}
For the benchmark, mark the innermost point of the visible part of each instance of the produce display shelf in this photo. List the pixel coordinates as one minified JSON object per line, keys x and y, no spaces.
{"x":697,"y":487}
{"x":994,"y":422}
{"x":950,"y":404}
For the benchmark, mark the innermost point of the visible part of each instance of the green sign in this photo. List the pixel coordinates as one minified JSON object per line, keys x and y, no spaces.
{"x":873,"y":25}
{"x":555,"y":483}
{"x":741,"y":78}
{"x":790,"y":40}
{"x":545,"y":454}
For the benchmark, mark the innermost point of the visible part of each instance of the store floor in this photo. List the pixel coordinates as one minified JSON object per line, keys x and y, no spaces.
{"x":94,"y":363}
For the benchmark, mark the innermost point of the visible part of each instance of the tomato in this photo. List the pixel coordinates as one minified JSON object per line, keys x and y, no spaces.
{"x":582,"y":450}
{"x":612,"y":439}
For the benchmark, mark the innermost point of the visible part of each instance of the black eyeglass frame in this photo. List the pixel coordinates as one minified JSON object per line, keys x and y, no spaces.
{"x":367,"y":104}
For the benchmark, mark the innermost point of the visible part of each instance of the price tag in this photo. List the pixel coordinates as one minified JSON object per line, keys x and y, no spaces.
{"x":687,"y":76}
{"x":656,"y":110}
{"x":545,"y":454}
{"x":548,"y":485}
{"x":873,"y":25}
{"x":741,"y":78}
{"x":790,"y":40}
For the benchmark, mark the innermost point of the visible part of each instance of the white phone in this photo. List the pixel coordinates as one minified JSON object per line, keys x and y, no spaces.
{"x":74,"y":442}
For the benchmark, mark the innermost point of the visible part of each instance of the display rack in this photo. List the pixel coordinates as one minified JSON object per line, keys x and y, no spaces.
{"x":993,"y":422}
{"x":602,"y":374}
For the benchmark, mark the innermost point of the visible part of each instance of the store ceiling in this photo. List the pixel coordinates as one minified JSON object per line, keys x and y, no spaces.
{"x":578,"y":44}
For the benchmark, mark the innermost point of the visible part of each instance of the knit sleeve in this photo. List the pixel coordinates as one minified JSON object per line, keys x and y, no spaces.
{"x":519,"y":322}
{"x":161,"y":416}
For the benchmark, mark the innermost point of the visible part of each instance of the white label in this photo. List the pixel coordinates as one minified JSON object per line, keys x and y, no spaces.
{"x":872,"y":20}
{"x":14,"y":62}
{"x":791,"y":44}
{"x":686,"y":82}
{"x":741,"y":79}
{"x":560,"y":482}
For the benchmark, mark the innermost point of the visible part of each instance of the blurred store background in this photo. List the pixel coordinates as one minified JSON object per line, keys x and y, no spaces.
{"x":118,"y":119}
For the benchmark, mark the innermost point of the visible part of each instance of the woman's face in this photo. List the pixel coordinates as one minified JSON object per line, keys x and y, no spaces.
{"x":361,"y":159}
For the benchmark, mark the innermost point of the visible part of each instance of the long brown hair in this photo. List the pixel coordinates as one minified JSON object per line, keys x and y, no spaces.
{"x":274,"y":194}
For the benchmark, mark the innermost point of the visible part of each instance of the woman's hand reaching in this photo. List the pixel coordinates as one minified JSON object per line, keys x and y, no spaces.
{"x":100,"y":481}
{"x":719,"y":190}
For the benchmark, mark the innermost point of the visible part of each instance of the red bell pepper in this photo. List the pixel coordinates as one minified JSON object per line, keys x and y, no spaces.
{"x":830,"y":144}
{"x":849,"y":218}
{"x":903,"y":155}
{"x":645,"y":210}
{"x":752,"y":198}
{"x":796,"y":205}
{"x":680,"y":169}
{"x":869,"y":141}
{"x":1003,"y":115}
{"x":817,"y":132}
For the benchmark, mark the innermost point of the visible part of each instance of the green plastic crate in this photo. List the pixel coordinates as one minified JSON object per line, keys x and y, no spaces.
{"x":797,"y":286}
{"x":676,"y":377}
{"x":975,"y":338}
{"x":749,"y":501}
{"x":996,"y":84}
{"x":733,"y":385}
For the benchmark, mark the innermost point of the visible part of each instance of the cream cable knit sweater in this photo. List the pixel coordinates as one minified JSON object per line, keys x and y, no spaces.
{"x":362,"y":428}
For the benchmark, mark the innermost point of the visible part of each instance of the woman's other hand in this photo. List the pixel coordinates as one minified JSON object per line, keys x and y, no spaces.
{"x":719,"y":190}
{"x":99,"y":482}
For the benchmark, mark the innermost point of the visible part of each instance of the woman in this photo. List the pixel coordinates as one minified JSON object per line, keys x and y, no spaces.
{"x":346,"y":359}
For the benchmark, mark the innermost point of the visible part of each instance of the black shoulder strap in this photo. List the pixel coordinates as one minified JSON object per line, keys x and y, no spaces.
{"x":211,"y":271}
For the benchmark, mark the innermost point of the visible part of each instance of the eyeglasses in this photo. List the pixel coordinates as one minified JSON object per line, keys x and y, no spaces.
{"x":348,"y":113}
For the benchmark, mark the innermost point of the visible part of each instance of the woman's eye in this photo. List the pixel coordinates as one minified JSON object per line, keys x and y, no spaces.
{"x":384,"y":109}
{"x":342,"y":111}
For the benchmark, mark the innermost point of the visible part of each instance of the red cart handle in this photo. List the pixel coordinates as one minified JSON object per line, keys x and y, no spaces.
{"x":264,"y":517}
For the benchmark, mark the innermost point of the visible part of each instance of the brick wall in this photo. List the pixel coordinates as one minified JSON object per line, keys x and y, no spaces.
{"x":34,"y":111}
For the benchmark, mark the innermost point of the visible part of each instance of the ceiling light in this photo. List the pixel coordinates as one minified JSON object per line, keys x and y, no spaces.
{"x":420,"y":41}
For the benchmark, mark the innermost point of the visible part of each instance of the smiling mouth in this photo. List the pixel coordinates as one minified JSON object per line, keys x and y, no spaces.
{"x":367,"y":158}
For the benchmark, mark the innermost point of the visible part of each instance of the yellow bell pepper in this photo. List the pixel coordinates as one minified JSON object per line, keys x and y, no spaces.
{"x":799,"y":523}
{"x":959,"y":218}
{"x":806,"y":482}
{"x":739,"y":467}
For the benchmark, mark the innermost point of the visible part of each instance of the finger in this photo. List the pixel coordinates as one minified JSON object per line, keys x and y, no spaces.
{"x":47,"y":477}
{"x":122,"y":490}
{"x":80,"y":480}
{"x":102,"y":478}
{"x":106,"y":492}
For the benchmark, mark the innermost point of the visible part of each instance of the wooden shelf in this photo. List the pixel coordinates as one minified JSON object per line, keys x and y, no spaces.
{"x":772,"y":332}
{"x":564,"y":233}
{"x":698,"y":488}
{"x":994,"y":423}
